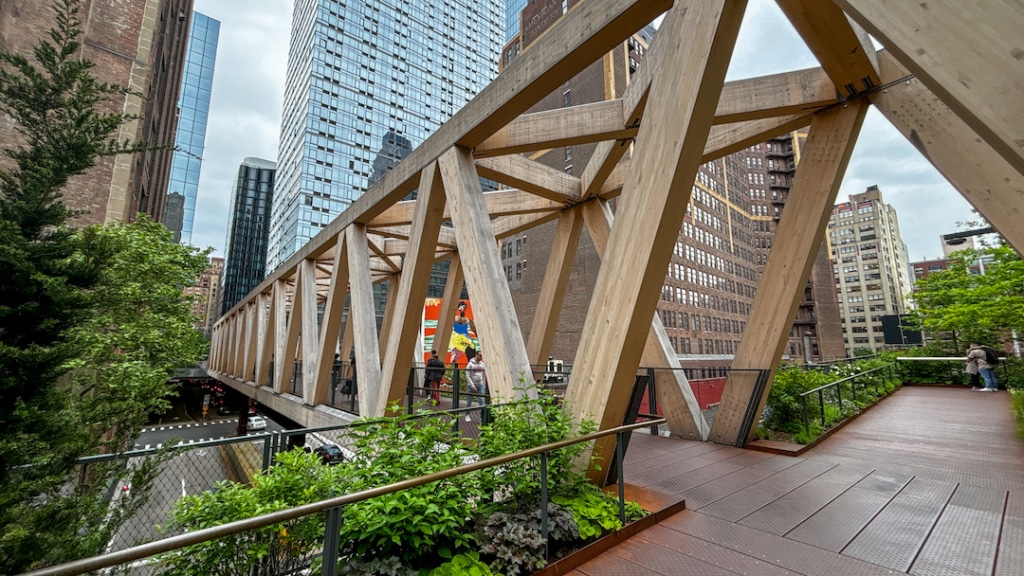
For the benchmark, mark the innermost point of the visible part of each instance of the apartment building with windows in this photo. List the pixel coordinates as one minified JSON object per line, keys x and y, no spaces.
{"x":871,"y":267}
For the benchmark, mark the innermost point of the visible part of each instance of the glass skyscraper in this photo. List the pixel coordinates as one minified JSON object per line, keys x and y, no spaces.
{"x":194,"y":108}
{"x":362,"y":73}
{"x":246,"y":243}
{"x":513,"y":8}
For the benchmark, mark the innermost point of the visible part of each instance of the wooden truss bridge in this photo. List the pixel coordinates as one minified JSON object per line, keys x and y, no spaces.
{"x":951,"y":79}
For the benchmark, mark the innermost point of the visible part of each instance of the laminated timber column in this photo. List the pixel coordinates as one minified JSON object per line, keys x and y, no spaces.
{"x":449,"y":303}
{"x":278,"y":320}
{"x":984,"y":178}
{"x":238,"y":354}
{"x":331,"y":325}
{"x":493,"y":310}
{"x":412,"y":291}
{"x":288,"y":339}
{"x":265,"y":331}
{"x":556,"y":279}
{"x":969,"y":54}
{"x":695,"y":43}
{"x":304,"y":312}
{"x":363,"y":317}
{"x":394,"y":281}
{"x":675,"y":397}
{"x":826,"y":154}
{"x":251,"y":340}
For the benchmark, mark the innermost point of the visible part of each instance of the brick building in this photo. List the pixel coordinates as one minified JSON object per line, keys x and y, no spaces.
{"x":207,"y":292}
{"x":139,"y":45}
{"x":722,"y":246}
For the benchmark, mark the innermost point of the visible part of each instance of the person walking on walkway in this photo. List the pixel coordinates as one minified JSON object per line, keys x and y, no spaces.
{"x":985,"y":359}
{"x":477,"y":379}
{"x":435,"y":371}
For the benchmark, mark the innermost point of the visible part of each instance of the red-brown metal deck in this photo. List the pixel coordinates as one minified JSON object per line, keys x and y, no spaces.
{"x":928,"y":482}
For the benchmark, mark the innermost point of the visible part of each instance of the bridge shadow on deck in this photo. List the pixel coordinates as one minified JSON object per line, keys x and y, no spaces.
{"x":928,"y":482}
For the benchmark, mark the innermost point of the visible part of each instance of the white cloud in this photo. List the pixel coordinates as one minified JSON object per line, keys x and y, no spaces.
{"x":249,"y":86}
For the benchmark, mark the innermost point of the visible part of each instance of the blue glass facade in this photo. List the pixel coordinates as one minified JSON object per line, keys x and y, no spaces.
{"x":194,"y":108}
{"x":512,"y":10}
{"x":361,"y":73}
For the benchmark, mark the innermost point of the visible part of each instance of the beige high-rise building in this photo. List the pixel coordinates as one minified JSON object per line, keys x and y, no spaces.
{"x":207,"y":292}
{"x":869,"y":258}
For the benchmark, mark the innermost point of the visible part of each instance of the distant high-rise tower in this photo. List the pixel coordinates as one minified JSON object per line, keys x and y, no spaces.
{"x":193,"y":110}
{"x":207,"y":294}
{"x":247,"y":233}
{"x":358,"y":71}
{"x":871,"y":270}
{"x":139,"y":45}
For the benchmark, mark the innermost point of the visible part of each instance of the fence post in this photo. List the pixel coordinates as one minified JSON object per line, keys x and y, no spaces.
{"x":618,"y":474}
{"x":409,"y":390}
{"x":332,"y":544}
{"x":821,"y":404}
{"x":266,"y":453}
{"x":807,"y":423}
{"x":544,"y":500}
{"x":853,"y":391}
{"x":652,"y":398}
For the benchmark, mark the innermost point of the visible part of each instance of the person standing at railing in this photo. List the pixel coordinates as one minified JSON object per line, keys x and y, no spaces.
{"x":972,"y":370}
{"x":985,"y":359}
{"x":477,"y":379}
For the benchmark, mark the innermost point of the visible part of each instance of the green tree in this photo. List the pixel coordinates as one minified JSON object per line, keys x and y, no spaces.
{"x":57,"y":312}
{"x":965,"y":305}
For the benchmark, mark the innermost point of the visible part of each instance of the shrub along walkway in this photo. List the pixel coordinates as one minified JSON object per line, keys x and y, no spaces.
{"x":928,"y":482}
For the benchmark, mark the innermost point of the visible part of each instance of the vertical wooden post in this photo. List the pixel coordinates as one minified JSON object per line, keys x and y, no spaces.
{"x":363,"y":317}
{"x":331,"y":324}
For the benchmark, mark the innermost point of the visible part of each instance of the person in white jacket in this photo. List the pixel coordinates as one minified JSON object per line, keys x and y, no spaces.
{"x":477,"y":379}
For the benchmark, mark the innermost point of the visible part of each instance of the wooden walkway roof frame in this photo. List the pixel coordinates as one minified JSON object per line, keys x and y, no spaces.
{"x":951,"y":88}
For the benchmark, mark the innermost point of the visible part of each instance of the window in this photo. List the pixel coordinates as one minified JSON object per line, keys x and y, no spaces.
{"x":566,"y":98}
{"x":519,"y":271}
{"x":568,"y":153}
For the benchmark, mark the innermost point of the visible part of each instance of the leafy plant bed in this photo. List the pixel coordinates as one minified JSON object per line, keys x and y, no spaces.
{"x":484,"y":522}
{"x":783,"y":444}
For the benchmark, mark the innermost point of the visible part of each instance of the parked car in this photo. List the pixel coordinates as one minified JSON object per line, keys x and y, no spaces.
{"x":330,"y":454}
{"x":256,"y":423}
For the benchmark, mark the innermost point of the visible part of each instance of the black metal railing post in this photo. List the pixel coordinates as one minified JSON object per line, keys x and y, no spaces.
{"x":266,"y":453}
{"x":807,"y":423}
{"x":544,"y":501}
{"x":409,"y":390}
{"x":332,"y":542}
{"x":652,"y":398}
{"x":821,"y":404}
{"x":619,"y":438}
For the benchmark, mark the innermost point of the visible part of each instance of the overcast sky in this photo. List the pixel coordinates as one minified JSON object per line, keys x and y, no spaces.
{"x":248,"y":88}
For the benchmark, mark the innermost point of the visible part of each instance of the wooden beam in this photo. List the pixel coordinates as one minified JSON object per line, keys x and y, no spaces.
{"x":284,"y":356}
{"x":330,"y":328}
{"x":572,"y":126}
{"x":695,"y":43}
{"x":728,"y":138}
{"x":251,"y":341}
{"x":494,"y":311}
{"x":265,"y":332}
{"x":394,"y":281}
{"x":552,"y":290}
{"x":445,"y":236}
{"x":364,"y":318}
{"x":512,"y":225}
{"x":375,"y":243}
{"x":802,"y":227}
{"x":968,"y":54}
{"x":845,"y":53}
{"x":675,"y":397}
{"x":798,"y":92}
{"x":984,"y":177}
{"x":412,"y":289}
{"x":305,"y":311}
{"x":499,"y":203}
{"x":520,"y":172}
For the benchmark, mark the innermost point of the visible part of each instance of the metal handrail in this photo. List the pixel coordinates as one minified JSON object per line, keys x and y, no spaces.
{"x":820,"y":391}
{"x":206,"y":534}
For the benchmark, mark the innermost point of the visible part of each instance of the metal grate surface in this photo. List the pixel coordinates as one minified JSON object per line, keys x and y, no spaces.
{"x":665,"y":560}
{"x":713,"y":554}
{"x":894,"y":537}
{"x":611,"y":564}
{"x":754,"y":497}
{"x":964,"y":540}
{"x":1011,"y":543}
{"x":835,"y":525}
{"x":787,"y":512}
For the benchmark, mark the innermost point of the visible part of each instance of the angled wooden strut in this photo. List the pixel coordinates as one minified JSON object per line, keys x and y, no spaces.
{"x":449,"y":304}
{"x":364,"y":320}
{"x":984,"y":178}
{"x":412,"y":290}
{"x":675,"y":396}
{"x":694,"y":45}
{"x":968,"y":54}
{"x":552,"y":290}
{"x":802,"y":227}
{"x":331,"y":326}
{"x":493,"y":309}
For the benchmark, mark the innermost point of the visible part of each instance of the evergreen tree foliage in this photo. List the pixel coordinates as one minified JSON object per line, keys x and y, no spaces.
{"x":91,"y":322}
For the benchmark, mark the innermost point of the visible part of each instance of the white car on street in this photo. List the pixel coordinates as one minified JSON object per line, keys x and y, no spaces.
{"x":256,"y":423}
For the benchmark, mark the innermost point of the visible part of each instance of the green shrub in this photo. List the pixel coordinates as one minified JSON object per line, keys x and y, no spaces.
{"x":595,"y":513}
{"x":467,"y":564}
{"x":514,"y":541}
{"x":1017,"y":397}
